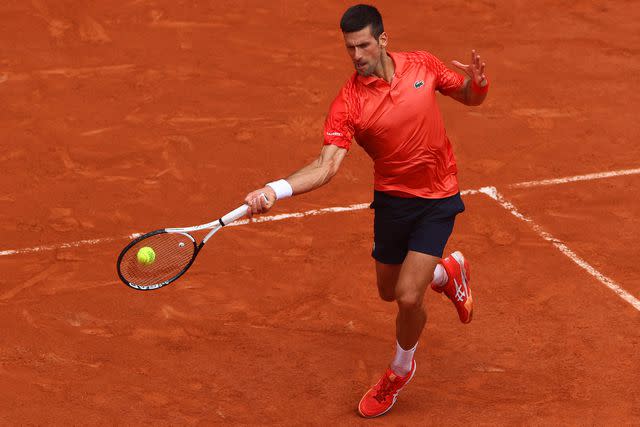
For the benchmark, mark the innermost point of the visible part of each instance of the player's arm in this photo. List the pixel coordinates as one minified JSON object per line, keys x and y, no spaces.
{"x":475,"y":87}
{"x":308,"y":178}
{"x":319,"y":172}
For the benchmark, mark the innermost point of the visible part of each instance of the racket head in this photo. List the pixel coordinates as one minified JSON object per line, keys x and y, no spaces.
{"x":174,"y":254}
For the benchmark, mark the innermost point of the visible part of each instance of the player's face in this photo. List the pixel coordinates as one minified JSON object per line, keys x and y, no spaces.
{"x":365,"y":51}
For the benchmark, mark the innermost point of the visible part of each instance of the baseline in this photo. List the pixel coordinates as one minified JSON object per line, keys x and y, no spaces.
{"x":525,"y":184}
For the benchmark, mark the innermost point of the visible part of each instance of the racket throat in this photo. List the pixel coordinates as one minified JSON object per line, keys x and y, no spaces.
{"x":209,"y":235}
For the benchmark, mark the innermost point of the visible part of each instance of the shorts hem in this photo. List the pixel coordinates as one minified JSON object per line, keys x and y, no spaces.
{"x":431,"y":252}
{"x":388,"y":260}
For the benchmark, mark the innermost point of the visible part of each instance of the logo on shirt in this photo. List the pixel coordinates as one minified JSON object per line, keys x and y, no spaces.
{"x":418,"y":84}
{"x":334,"y":134}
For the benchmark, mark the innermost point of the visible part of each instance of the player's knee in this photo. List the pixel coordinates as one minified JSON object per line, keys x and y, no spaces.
{"x":410,"y":301}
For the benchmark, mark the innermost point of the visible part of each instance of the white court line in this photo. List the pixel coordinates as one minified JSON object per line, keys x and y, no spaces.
{"x":58,"y":246}
{"x":314,"y":212}
{"x":564,"y":180}
{"x":66,"y":245}
{"x":495,"y":195}
{"x":575,"y":178}
{"x":255,"y":220}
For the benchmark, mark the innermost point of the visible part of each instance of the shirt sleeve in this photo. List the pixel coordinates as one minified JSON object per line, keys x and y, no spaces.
{"x":338,"y":126}
{"x":447,"y":79}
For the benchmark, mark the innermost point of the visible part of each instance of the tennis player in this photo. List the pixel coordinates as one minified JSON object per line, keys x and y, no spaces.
{"x":389,"y":107}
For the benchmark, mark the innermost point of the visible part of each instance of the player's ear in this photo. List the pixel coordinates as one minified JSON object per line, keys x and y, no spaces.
{"x":383,"y":39}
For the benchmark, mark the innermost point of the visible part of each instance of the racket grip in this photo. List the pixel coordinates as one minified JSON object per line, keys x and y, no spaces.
{"x":234,"y":215}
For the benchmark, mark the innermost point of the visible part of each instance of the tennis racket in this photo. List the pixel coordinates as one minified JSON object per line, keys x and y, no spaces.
{"x":174,"y":251}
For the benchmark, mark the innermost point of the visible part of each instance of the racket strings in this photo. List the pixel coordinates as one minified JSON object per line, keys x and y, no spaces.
{"x":173,"y":253}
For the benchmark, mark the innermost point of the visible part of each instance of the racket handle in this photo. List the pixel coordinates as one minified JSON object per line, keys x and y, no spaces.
{"x":236,"y":214}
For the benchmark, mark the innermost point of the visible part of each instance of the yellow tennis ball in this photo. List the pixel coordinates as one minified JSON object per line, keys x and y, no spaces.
{"x":146,"y":255}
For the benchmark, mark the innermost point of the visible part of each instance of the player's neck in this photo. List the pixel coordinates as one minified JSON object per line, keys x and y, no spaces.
{"x":385,"y":68}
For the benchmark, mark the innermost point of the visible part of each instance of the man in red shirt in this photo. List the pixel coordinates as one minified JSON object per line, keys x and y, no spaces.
{"x":389,"y":107}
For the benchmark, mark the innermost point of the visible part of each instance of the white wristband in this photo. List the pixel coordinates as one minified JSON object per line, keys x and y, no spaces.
{"x":282,"y":188}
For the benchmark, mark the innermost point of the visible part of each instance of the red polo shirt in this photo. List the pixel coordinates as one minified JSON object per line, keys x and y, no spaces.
{"x":399,"y":125}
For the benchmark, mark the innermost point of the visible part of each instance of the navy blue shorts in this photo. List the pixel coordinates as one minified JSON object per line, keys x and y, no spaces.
{"x":416,"y":224}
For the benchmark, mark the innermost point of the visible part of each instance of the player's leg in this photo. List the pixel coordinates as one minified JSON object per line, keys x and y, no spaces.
{"x":431,"y":223}
{"x":413,"y":278}
{"x":394,"y":221}
{"x":391,"y":229}
{"x":387,"y":278}
{"x":416,"y":274}
{"x":426,"y":244}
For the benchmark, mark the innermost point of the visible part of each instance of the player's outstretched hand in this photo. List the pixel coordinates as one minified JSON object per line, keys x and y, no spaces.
{"x":260,"y":201}
{"x":475,"y":69}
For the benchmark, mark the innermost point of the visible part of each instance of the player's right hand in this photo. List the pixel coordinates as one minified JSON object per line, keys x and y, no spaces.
{"x":260,"y":201}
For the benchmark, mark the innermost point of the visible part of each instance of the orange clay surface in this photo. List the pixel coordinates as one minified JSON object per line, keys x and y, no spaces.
{"x":126,"y":116}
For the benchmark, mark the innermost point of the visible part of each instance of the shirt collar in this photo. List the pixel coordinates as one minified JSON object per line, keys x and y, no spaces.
{"x":398,"y":61}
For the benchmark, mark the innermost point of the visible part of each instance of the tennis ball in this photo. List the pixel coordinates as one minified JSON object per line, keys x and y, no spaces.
{"x":146,"y":255}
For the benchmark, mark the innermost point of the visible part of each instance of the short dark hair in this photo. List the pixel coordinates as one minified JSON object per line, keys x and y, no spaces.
{"x":360,"y":16}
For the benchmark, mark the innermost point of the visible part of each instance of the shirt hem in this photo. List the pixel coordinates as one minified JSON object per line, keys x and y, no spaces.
{"x":407,"y":194}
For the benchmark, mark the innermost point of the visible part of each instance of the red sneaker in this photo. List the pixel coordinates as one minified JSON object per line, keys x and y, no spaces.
{"x":382,"y":396}
{"x":457,"y":288}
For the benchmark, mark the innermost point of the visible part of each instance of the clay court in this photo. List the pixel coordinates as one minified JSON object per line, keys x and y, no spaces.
{"x":123,"y":117}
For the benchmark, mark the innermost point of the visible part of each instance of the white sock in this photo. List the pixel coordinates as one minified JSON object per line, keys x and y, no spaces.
{"x":403,"y":360}
{"x":440,"y":275}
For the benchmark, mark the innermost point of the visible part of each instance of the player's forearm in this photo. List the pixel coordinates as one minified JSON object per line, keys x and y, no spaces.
{"x":475,"y":94}
{"x":312,"y":176}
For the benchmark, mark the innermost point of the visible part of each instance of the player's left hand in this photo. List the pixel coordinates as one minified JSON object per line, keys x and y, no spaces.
{"x":475,"y":69}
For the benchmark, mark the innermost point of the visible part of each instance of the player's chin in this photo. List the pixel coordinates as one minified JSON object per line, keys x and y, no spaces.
{"x":362,"y":71}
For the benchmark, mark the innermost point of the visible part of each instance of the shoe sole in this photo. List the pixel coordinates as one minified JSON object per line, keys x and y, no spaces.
{"x":466,"y":272}
{"x":394,"y":397}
